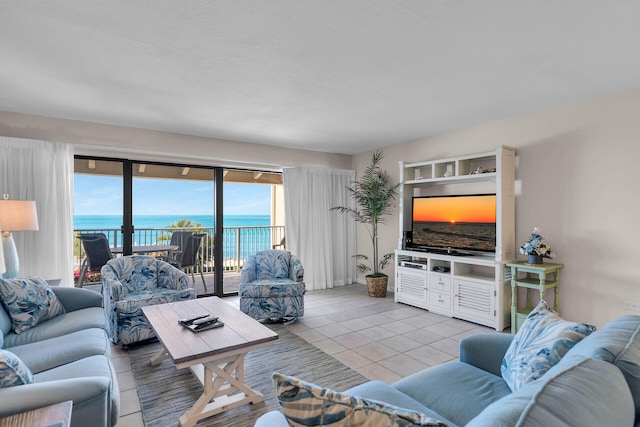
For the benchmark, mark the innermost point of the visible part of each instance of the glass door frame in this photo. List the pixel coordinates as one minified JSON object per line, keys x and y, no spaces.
{"x":127,"y":227}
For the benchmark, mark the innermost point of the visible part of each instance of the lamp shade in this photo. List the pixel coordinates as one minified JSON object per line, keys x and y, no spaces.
{"x":18,"y":215}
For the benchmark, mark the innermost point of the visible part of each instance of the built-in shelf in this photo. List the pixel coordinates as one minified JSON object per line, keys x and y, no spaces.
{"x":474,"y":288}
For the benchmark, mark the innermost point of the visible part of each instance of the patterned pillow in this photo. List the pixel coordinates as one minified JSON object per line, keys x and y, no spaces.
{"x":540,"y":343}
{"x":28,"y":301}
{"x":304,"y":404}
{"x":13,"y":371}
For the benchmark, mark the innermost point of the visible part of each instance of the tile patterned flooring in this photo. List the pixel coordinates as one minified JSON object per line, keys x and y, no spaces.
{"x":377,"y":337}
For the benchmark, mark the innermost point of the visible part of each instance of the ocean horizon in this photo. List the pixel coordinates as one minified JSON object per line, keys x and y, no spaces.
{"x":106,"y":222}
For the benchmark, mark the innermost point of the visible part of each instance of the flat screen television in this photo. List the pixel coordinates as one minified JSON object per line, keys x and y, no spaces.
{"x":454,"y":223}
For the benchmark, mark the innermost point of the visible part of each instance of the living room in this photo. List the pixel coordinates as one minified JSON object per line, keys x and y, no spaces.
{"x":575,"y":157}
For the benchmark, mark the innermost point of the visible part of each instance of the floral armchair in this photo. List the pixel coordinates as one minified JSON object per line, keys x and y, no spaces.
{"x":132,"y":282}
{"x":271,"y":286}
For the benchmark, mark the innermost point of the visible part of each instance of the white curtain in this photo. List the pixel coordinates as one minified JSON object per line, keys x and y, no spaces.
{"x":324,"y":240}
{"x":41,"y":171}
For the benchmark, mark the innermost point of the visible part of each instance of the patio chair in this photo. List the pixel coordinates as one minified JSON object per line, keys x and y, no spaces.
{"x":179,"y":238}
{"x":97,"y":253}
{"x":189,"y":258}
{"x":135,"y":281}
{"x":271,"y":286}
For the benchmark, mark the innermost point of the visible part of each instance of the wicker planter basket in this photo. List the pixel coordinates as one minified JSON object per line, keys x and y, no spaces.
{"x":377,"y":286}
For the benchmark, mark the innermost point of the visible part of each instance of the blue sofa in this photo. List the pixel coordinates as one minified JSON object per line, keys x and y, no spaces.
{"x":68,"y":356}
{"x":596,"y":383}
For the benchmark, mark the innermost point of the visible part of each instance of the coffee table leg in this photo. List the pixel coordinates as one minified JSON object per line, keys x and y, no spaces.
{"x":215,"y":397}
{"x":157,"y":358}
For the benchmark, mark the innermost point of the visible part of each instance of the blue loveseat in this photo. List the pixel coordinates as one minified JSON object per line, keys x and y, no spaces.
{"x":596,"y":383}
{"x":67,"y":358}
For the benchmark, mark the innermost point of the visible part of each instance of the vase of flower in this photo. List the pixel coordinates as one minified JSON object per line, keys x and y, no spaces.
{"x":535,"y":259}
{"x":535,"y":248}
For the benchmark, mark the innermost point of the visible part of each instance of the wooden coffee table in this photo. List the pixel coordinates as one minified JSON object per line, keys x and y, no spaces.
{"x":215,"y":356}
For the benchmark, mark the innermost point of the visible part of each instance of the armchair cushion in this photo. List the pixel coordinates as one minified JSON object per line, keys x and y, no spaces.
{"x":539,"y":344}
{"x":12,"y":371}
{"x":28,"y":302}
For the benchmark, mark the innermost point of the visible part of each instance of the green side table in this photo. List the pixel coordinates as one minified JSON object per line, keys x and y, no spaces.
{"x":532,"y":276}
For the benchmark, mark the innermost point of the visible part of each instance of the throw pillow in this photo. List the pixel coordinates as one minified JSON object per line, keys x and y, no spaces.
{"x":304,"y":404}
{"x":13,"y":371}
{"x":540,"y":343}
{"x":28,"y":301}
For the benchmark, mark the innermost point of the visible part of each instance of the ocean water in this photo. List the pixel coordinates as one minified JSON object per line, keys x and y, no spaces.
{"x":101,"y":222}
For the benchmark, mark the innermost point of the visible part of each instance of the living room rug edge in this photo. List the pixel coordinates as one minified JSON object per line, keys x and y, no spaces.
{"x":166,"y":393}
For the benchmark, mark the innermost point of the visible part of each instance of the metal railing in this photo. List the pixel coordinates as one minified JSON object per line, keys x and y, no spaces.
{"x":238,"y":243}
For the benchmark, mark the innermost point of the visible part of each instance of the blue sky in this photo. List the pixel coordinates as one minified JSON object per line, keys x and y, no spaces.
{"x":102,"y":195}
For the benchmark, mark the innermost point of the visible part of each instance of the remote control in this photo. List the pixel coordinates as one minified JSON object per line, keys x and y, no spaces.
{"x":208,"y":319}
{"x":190,"y":320}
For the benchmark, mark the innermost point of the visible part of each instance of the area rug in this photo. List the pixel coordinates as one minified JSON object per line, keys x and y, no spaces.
{"x":167,"y":393}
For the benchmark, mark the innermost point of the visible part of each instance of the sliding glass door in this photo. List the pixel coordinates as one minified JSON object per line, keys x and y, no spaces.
{"x":144,"y":207}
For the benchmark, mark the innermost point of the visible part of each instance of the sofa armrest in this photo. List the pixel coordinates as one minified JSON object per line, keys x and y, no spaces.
{"x":485,"y":351}
{"x":73,"y":299}
{"x":272,"y":419}
{"x":92,"y":393}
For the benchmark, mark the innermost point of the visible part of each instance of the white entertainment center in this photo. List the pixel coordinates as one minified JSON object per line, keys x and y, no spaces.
{"x":473,"y":286}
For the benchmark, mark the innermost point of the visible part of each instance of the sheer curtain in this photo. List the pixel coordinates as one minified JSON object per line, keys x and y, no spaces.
{"x":42,"y":171}
{"x":324,"y":240}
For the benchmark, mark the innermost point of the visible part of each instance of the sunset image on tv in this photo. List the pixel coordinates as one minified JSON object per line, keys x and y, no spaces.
{"x":462,"y":222}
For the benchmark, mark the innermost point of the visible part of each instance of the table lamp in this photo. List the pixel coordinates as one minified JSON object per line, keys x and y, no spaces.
{"x":15,"y":215}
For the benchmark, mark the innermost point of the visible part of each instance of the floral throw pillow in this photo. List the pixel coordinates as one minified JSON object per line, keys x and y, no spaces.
{"x":304,"y":404}
{"x":13,"y":371}
{"x":540,"y":343}
{"x":28,"y":302}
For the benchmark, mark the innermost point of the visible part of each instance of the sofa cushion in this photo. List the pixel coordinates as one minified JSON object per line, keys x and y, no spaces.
{"x":13,"y":371}
{"x":618,"y":342}
{"x":384,"y":393}
{"x":92,"y":317}
{"x":578,"y":391}
{"x":540,"y":343}
{"x":305,"y":404}
{"x":447,"y":383}
{"x":53,"y":352}
{"x":28,"y":301}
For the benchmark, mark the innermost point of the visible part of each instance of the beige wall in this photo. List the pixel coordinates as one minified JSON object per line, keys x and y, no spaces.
{"x":578,"y":169}
{"x":140,"y":144}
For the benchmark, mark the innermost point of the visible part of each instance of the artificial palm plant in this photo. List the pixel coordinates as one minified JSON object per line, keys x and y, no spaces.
{"x":374,"y":194}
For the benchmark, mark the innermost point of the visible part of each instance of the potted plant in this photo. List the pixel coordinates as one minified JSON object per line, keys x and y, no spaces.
{"x":535,"y":248}
{"x":373,"y":194}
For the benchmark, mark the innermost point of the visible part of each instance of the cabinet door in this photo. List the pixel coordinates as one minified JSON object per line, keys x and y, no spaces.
{"x":474,"y":301}
{"x":411,"y":286}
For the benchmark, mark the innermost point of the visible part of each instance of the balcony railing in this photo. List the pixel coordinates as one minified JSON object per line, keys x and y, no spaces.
{"x":238,"y":242}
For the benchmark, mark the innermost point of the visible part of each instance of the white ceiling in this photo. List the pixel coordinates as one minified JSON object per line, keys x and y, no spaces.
{"x":340,"y":76}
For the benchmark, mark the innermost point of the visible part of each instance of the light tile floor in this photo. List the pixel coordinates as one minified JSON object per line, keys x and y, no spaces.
{"x":381,"y":339}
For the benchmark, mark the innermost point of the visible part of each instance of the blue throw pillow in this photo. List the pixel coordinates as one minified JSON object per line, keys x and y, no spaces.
{"x":540,"y":343}
{"x":28,"y":301}
{"x":304,"y":404}
{"x":13,"y":371}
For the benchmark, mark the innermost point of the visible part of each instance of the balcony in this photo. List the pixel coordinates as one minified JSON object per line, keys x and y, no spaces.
{"x":238,"y":244}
